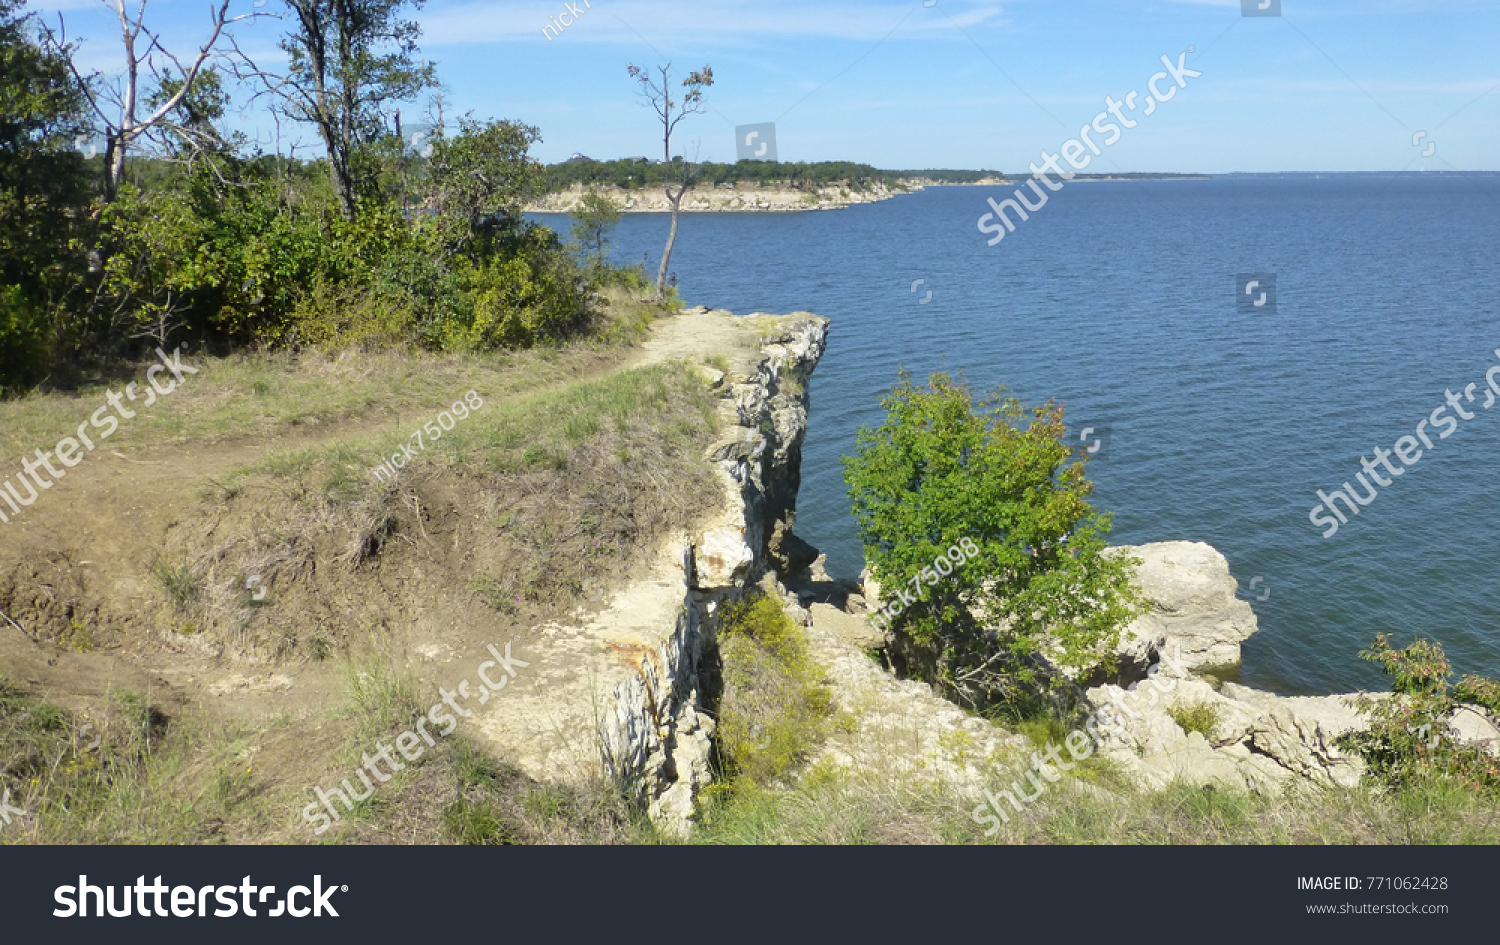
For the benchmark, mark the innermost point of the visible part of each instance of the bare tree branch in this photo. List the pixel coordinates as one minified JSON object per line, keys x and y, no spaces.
{"x":123,"y":128}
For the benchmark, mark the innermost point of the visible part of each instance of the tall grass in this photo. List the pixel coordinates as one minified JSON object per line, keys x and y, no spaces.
{"x":134,"y":777}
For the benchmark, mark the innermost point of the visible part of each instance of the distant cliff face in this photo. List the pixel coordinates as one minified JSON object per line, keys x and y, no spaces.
{"x":743,"y":197}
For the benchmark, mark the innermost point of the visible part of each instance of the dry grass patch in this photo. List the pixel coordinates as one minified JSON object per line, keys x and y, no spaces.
{"x":263,"y":394}
{"x":520,"y":504}
{"x":840,"y":806}
{"x":135,"y":776}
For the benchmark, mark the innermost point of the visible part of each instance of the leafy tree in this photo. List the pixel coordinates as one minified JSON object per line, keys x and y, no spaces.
{"x":482,"y":177}
{"x":349,"y":59}
{"x":190,"y":129}
{"x":116,"y":101}
{"x":942,"y":473}
{"x":43,"y":201}
{"x":659,"y":96}
{"x":593,"y":219}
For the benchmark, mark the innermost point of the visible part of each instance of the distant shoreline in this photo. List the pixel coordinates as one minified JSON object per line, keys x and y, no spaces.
{"x":740,"y":197}
{"x":1125,"y":180}
{"x":782,"y":197}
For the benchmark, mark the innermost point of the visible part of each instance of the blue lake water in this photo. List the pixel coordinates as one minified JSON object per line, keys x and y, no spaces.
{"x":1120,"y":300}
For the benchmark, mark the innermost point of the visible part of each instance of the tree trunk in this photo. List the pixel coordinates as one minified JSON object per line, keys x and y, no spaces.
{"x":114,"y":166}
{"x":666,"y":255}
{"x":338,"y":170}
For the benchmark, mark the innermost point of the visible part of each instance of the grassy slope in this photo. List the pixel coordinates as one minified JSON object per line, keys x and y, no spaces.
{"x":569,"y":424}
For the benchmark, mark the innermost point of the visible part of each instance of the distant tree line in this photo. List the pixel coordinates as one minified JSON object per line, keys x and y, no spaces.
{"x":945,"y":176}
{"x":633,"y":174}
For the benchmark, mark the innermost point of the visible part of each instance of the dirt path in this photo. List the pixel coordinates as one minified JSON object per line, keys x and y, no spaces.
{"x":82,"y":554}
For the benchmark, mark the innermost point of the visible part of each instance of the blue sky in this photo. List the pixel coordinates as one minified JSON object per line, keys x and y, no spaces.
{"x":1328,"y":86}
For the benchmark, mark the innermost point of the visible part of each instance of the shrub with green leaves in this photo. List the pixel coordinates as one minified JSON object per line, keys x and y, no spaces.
{"x":530,"y":293}
{"x":1202,"y":718}
{"x":44,"y":201}
{"x":1408,"y":741}
{"x":1477,"y":690}
{"x":774,"y":705}
{"x":942,"y":470}
{"x":593,"y":219}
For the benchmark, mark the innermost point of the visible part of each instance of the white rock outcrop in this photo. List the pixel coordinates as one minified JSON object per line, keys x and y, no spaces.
{"x":742,"y":197}
{"x":621,"y":692}
{"x":1193,"y":604}
{"x":1259,"y":741}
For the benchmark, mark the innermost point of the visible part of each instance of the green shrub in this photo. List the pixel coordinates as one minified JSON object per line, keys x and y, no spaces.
{"x":1477,"y":690}
{"x":774,"y":707}
{"x":994,"y":490}
{"x":1202,"y":718}
{"x":1408,"y":742}
{"x":530,"y":292}
{"x":24,"y":348}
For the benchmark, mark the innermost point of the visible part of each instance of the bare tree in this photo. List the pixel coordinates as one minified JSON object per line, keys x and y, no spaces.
{"x":659,"y":97}
{"x":115,"y":102}
{"x":348,"y":59}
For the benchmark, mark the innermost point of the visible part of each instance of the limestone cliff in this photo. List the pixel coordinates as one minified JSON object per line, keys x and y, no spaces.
{"x":620,"y":687}
{"x":741,"y":197}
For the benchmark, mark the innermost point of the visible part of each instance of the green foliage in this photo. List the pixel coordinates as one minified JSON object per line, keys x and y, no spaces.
{"x":24,"y":338}
{"x":373,"y":247}
{"x":530,"y":293}
{"x":482,"y":177}
{"x":1202,"y":718}
{"x":43,"y":201}
{"x":1477,"y":690}
{"x":942,"y":471}
{"x":476,"y":823}
{"x":232,"y":263}
{"x":594,"y":218}
{"x":1408,"y":742}
{"x":774,"y":706}
{"x":348,"y":59}
{"x":633,"y":174}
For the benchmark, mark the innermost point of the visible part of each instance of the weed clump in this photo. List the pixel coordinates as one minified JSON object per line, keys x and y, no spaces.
{"x":1202,"y":718}
{"x":775,"y":707}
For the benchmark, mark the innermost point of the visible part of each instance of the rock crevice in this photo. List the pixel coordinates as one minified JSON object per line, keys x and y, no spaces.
{"x":620,"y":690}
